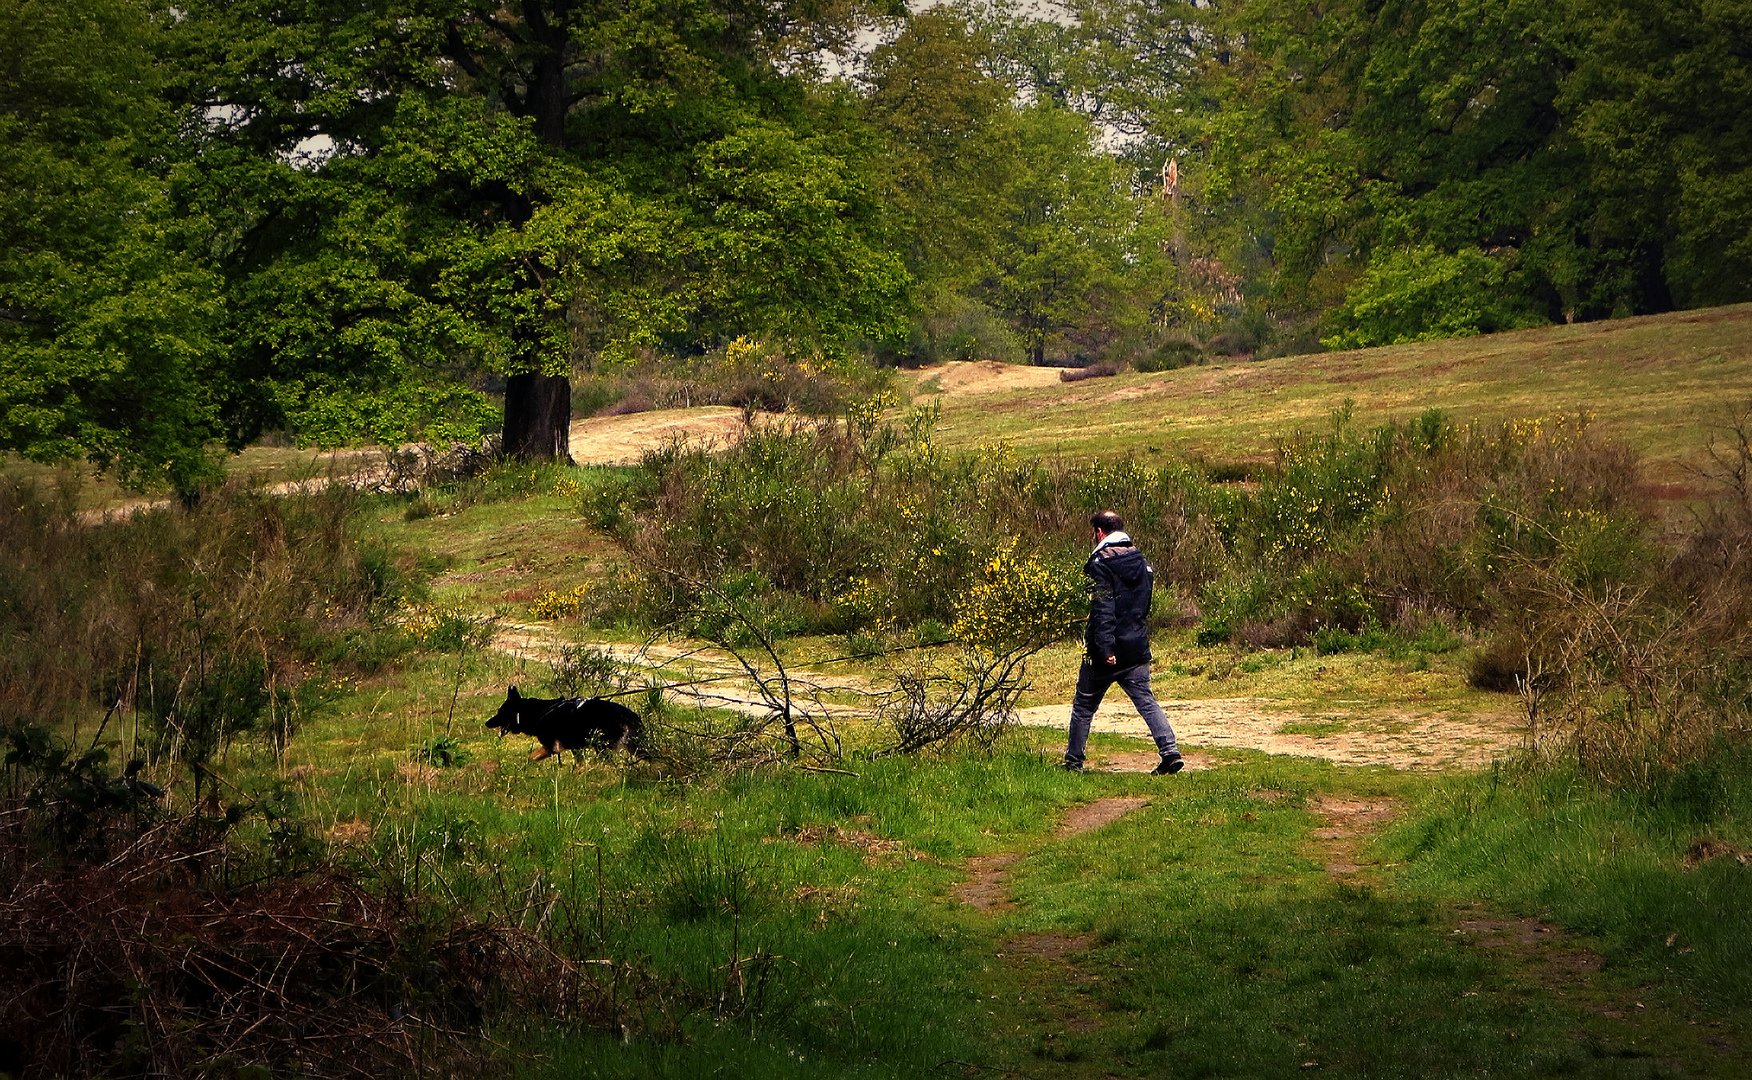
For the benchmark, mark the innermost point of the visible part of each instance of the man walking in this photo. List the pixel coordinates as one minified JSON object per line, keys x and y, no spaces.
{"x":1118,"y":642}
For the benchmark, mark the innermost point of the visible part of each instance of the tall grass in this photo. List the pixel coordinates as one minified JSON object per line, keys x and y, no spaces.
{"x":1659,"y":879}
{"x":185,"y":628}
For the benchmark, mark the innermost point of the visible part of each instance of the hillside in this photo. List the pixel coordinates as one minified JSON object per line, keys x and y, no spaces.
{"x":1661,"y":382}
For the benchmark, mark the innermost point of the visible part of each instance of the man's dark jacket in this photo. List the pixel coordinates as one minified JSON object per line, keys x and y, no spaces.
{"x":1119,"y":604}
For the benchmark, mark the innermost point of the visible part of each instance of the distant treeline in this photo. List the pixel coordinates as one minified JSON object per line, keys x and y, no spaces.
{"x":347,"y":220}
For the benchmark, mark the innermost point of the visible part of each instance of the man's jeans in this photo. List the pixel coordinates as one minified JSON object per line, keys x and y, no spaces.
{"x":1092,"y":684}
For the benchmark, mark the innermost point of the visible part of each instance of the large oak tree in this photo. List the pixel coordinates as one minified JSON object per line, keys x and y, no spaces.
{"x":425,"y":190}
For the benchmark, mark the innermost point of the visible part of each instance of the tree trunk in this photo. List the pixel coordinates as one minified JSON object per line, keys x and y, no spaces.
{"x":538,"y":417}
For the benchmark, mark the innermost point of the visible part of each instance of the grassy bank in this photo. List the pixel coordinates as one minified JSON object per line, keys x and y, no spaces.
{"x":1659,"y":383}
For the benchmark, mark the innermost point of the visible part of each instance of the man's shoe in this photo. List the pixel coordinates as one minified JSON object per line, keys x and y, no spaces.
{"x":1169,"y":765}
{"x":1071,"y":766}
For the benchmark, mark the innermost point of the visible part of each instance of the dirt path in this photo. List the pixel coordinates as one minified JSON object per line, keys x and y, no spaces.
{"x":724,"y":683}
{"x":1397,"y":739}
{"x":1402,"y":740}
{"x":623,"y":440}
{"x":1349,"y":822}
{"x":987,"y":887}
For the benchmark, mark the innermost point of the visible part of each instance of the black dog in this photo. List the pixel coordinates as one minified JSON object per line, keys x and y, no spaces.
{"x":568,"y":724}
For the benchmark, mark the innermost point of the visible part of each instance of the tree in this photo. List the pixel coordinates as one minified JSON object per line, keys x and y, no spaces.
{"x":515,"y":189}
{"x":106,"y":319}
{"x":953,"y":142}
{"x":1069,"y":232}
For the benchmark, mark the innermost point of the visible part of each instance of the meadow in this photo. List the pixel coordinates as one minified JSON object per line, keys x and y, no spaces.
{"x":1662,"y":383}
{"x":304,"y":678}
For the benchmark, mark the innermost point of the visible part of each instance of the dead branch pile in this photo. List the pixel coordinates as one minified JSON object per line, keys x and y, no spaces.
{"x":137,"y":966}
{"x":973,"y":703}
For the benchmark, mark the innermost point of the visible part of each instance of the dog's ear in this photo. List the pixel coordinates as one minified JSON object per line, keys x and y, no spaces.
{"x":511,"y":693}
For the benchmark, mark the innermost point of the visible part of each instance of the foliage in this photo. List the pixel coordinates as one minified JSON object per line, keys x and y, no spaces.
{"x":856,"y":526}
{"x":214,"y":631}
{"x":1019,"y":600}
{"x":441,"y":751}
{"x":510,"y":194}
{"x":108,"y":317}
{"x":554,"y":604}
{"x":754,"y":375}
{"x":1411,"y":170}
{"x":1420,"y":294}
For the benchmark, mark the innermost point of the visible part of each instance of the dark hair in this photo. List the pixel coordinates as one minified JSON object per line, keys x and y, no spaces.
{"x":1107,"y":521}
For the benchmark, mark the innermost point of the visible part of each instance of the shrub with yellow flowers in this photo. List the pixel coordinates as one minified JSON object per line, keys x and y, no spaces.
{"x":861,"y":603}
{"x":1021,"y":598}
{"x":444,"y":627}
{"x":555,"y":604}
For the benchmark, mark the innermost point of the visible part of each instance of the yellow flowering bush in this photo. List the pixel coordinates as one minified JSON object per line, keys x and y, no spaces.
{"x":439,"y":626}
{"x":861,"y":603}
{"x":1019,"y":599}
{"x":555,"y":604}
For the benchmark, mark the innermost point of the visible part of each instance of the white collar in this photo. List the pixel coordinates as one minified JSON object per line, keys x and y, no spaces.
{"x":1117,"y":536}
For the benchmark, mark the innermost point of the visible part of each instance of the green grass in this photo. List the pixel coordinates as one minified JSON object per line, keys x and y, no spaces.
{"x":1660,"y":382}
{"x":1201,"y":935}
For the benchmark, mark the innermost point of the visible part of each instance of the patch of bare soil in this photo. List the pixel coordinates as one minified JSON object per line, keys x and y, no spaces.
{"x":877,"y":850}
{"x":1398,"y":739}
{"x":1548,"y":956}
{"x":1350,"y":820}
{"x":1047,"y":946}
{"x":986,"y":376}
{"x":987,"y":887}
{"x":623,"y":440}
{"x":1702,"y":851}
{"x":1087,"y":817}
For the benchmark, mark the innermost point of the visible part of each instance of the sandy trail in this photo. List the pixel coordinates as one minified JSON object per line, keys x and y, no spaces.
{"x":623,"y":440}
{"x":1399,"y":740}
{"x":984,"y":377}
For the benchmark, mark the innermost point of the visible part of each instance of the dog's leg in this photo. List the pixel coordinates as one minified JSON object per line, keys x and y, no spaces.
{"x":540,"y":752}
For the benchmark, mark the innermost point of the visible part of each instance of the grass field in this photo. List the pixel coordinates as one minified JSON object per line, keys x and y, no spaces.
{"x":1662,"y":383}
{"x":1255,"y":916}
{"x":971,"y":913}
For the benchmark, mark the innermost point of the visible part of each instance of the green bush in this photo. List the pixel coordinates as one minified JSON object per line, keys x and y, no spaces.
{"x":1422,"y":293}
{"x":955,"y":327}
{"x":1169,"y":355}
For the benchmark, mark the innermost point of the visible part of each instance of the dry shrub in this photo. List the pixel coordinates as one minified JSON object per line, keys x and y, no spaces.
{"x":750,"y":374}
{"x":970,"y":701}
{"x":201,"y":623}
{"x":148,"y":963}
{"x":417,"y":466}
{"x":1636,"y":658}
{"x":1636,"y":687}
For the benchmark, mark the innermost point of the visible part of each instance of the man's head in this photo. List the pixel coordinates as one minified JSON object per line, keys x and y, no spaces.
{"x":1107,"y":522}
